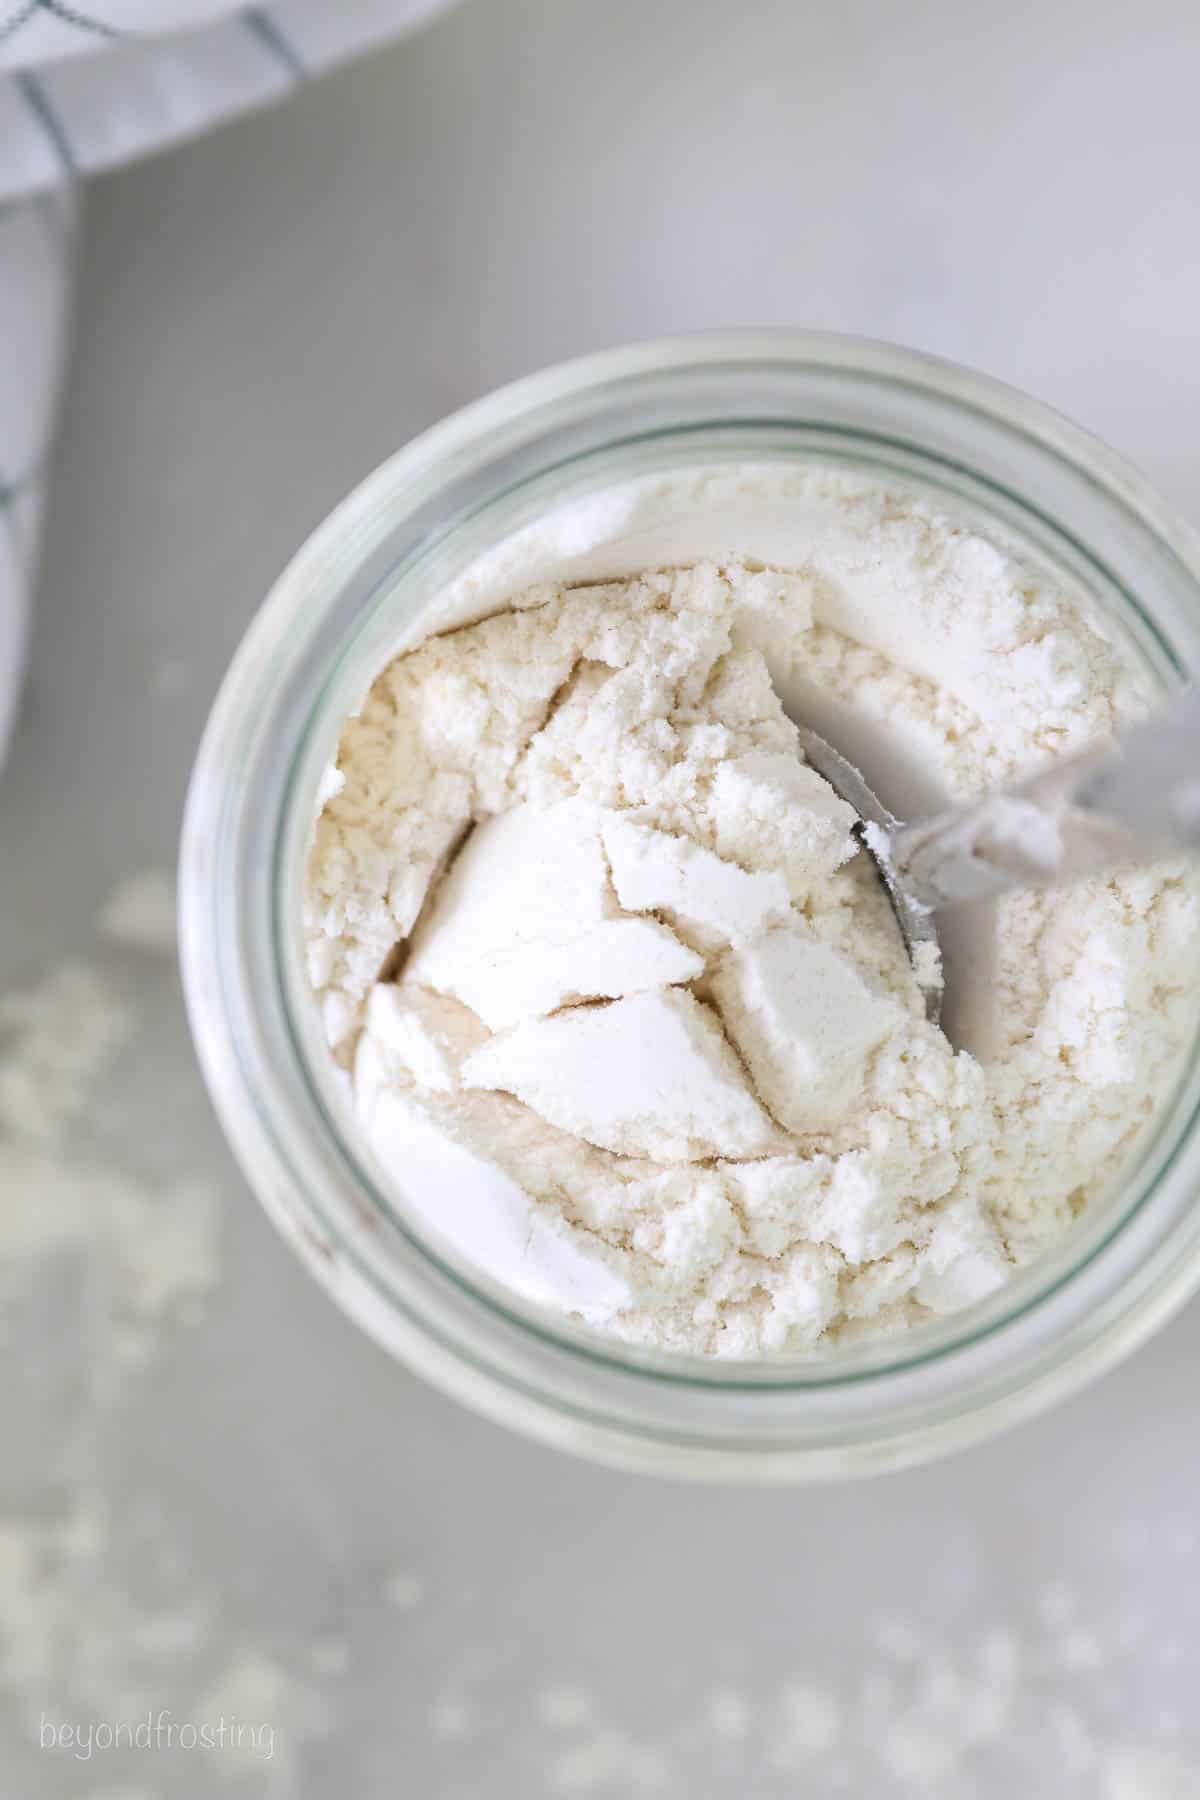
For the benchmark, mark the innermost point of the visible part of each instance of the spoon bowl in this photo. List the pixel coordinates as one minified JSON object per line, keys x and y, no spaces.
{"x":874,"y":831}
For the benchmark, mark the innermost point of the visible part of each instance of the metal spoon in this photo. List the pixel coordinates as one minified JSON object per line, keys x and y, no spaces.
{"x":1131,"y":800}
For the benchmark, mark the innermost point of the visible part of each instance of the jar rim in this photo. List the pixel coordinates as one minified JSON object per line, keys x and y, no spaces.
{"x":347,"y":1249}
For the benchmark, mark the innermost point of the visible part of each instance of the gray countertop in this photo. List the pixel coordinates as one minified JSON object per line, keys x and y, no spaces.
{"x":260,"y":1514}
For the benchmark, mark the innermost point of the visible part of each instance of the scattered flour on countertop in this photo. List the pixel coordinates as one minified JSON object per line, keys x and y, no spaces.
{"x":889,"y":1711}
{"x":55,"y":1040}
{"x":132,"y":1257}
{"x":888,"y":1708}
{"x":625,"y":1008}
{"x":147,"y":1251}
{"x":92,"y":1636}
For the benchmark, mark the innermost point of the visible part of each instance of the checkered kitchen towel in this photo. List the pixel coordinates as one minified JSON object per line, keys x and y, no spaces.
{"x":82,"y":88}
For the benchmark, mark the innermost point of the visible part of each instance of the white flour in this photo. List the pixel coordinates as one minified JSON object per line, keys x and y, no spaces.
{"x":148,"y":1249}
{"x":654,"y":1054}
{"x":141,"y":913}
{"x":892,"y":1707}
{"x":107,"y":1625}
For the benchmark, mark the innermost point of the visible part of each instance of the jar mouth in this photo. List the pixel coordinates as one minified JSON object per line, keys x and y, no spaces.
{"x":332,"y":621}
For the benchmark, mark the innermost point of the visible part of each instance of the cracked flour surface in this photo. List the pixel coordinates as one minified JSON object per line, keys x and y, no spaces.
{"x":626,"y":1011}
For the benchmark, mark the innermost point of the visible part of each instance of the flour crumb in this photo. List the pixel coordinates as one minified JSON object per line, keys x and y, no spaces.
{"x":404,"y":1590}
{"x":562,"y":1707}
{"x":140,"y":912}
{"x":172,"y":678}
{"x":731,"y":1714}
{"x":450,"y":1719}
{"x":1133,"y":1773}
{"x":611,"y":1762}
{"x":1057,"y":1604}
{"x":810,"y":1724}
{"x":1079,"y":1651}
{"x":896,"y":1639}
{"x":329,"y":1656}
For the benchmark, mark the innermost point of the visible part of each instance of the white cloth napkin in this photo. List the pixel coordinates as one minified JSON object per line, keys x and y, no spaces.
{"x":83,"y":88}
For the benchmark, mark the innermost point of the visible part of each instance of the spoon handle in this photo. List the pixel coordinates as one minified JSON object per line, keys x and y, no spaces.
{"x":1129,"y":801}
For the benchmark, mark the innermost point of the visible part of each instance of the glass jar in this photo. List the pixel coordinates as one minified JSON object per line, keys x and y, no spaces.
{"x":329,"y":625}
